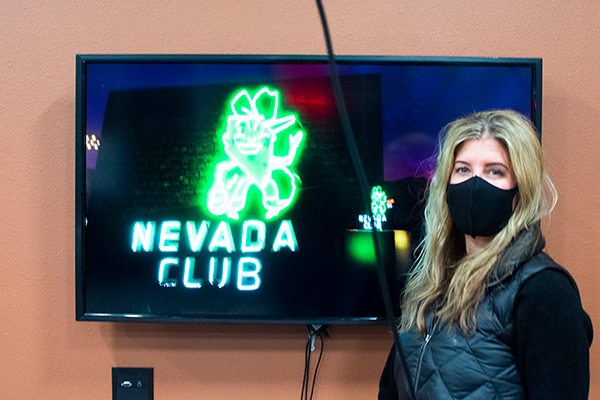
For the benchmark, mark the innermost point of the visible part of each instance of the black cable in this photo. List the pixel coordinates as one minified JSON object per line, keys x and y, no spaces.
{"x":317,"y":368}
{"x":306,"y":371}
{"x":364,"y":185}
{"x":312,"y":333}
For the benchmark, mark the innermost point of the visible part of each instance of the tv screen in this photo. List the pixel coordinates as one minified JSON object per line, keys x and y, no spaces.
{"x":221,"y":188}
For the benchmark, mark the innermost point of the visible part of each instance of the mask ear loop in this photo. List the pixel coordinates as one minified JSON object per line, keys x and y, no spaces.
{"x":517,"y":198}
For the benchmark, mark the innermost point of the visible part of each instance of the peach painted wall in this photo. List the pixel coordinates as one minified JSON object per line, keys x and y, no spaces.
{"x":45,"y":354}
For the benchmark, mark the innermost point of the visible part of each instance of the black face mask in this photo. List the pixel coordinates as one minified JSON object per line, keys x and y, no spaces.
{"x":479,"y":208}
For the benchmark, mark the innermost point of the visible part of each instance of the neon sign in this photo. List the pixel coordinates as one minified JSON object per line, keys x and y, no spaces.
{"x":378,"y":201}
{"x":255,"y":158}
{"x":252,"y":240}
{"x":379,"y":205}
{"x":253,"y":128}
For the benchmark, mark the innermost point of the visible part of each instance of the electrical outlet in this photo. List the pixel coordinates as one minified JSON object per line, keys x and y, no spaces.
{"x":133,"y":383}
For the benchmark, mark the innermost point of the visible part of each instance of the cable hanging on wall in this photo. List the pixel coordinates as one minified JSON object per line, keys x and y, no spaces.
{"x":364,"y":185}
{"x":314,"y":332}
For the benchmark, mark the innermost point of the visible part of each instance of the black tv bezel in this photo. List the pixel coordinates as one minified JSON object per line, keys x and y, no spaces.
{"x":81,"y":63}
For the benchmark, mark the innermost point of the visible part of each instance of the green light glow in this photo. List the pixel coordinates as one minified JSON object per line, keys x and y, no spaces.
{"x":169,"y":236}
{"x":188,"y":275}
{"x":249,"y":141}
{"x":360,"y":248}
{"x":250,"y":245}
{"x":248,"y":273}
{"x":378,"y":201}
{"x":143,"y":236}
{"x":286,"y":237}
{"x":222,"y":238}
{"x":197,"y":237}
{"x":163,"y":272}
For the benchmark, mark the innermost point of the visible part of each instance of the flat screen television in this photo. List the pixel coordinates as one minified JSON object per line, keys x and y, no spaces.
{"x":221,"y":189}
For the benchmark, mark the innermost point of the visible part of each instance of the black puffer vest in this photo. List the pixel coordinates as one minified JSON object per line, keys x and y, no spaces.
{"x":448,"y":364}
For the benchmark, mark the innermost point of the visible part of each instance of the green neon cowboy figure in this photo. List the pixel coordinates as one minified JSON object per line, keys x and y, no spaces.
{"x":249,"y":140}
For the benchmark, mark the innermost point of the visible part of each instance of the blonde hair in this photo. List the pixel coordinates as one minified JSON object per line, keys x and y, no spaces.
{"x":446,"y":281}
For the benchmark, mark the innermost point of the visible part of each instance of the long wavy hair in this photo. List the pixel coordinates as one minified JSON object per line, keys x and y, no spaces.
{"x":446,"y":281}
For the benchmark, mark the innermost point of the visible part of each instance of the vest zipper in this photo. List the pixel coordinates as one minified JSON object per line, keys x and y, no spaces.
{"x":421,"y":356}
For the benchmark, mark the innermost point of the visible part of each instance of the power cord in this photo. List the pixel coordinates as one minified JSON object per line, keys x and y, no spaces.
{"x":314,"y":331}
{"x":364,"y":185}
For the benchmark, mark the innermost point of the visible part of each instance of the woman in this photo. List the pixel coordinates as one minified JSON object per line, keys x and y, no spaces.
{"x":486,"y":314}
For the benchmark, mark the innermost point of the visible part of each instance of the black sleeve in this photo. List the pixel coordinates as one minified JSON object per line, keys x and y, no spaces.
{"x":387,"y":383}
{"x":553,"y":335}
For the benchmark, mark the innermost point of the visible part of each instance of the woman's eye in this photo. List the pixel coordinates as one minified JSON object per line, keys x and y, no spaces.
{"x":462,"y":170}
{"x":497,"y":173}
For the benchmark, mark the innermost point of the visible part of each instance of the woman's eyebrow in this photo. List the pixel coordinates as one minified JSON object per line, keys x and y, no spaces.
{"x":492,"y":164}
